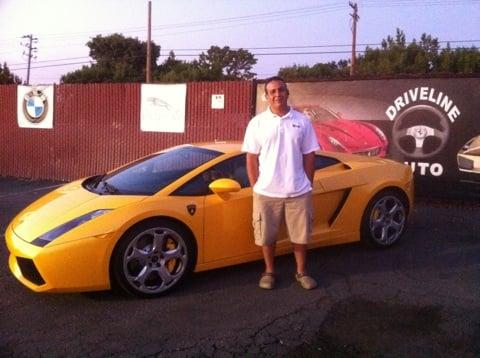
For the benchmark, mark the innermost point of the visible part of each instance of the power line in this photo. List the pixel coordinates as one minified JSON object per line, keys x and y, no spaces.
{"x":266,"y":16}
{"x":332,"y":6}
{"x":289,"y":53}
{"x":409,"y":3}
{"x":258,"y":18}
{"x":313,"y":10}
{"x":282,"y":15}
{"x":305,"y":46}
{"x":329,"y":7}
{"x":88,"y":60}
{"x":177,"y":50}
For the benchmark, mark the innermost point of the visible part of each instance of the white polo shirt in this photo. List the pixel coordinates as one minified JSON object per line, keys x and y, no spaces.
{"x":281,"y":143}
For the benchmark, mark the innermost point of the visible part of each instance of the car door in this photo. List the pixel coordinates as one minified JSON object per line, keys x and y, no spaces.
{"x":227,"y":219}
{"x":228,"y":228}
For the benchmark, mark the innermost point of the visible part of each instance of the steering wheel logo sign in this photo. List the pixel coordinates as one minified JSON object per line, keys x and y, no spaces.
{"x":420,"y":131}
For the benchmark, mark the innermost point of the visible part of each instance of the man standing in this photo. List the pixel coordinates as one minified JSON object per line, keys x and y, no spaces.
{"x":280,"y":145}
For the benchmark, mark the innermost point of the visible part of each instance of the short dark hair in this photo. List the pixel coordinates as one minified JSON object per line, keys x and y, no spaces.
{"x":274,"y":78}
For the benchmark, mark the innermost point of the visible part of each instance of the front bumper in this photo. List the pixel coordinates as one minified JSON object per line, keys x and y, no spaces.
{"x":80,"y":265}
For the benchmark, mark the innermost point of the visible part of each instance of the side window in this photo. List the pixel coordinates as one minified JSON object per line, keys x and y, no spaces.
{"x":234,"y":168}
{"x":323,"y":161}
{"x":194,"y":187}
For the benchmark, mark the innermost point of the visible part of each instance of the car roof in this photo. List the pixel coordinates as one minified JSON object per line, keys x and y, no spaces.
{"x":221,"y":146}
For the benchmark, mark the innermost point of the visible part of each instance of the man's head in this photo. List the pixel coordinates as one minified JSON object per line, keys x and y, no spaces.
{"x":276,"y":93}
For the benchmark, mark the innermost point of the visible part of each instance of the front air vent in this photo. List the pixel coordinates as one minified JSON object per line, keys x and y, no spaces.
{"x":29,"y":271}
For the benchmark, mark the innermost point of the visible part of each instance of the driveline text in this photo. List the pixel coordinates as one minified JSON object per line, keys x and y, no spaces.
{"x":423,"y":94}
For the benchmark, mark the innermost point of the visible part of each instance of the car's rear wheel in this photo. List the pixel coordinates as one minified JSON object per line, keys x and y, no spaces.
{"x":384,"y":219}
{"x":152,"y":258}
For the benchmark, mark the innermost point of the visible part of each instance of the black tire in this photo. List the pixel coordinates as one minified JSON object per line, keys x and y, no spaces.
{"x":385,"y":219}
{"x":152,"y":258}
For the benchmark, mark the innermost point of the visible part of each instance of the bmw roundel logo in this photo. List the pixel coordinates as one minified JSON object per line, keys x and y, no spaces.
{"x":35,"y":105}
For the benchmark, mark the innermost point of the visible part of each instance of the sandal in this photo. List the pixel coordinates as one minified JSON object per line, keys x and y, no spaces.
{"x":306,"y":281}
{"x":267,"y":281}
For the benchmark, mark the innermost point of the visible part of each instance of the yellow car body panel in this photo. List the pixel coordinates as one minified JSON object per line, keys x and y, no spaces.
{"x":51,"y":211}
{"x":221,"y":224}
{"x":82,"y":262}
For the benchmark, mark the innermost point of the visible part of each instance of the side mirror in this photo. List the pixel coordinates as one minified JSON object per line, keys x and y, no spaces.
{"x":223,"y":187}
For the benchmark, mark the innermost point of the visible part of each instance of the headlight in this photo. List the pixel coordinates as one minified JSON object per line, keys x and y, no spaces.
{"x":380,"y":133}
{"x":337,"y":144}
{"x":62,"y":229}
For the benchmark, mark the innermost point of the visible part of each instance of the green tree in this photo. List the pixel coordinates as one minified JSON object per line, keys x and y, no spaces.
{"x":6,"y":77}
{"x":217,"y":64}
{"x":117,"y":59}
{"x":430,"y":50}
{"x":320,"y":70}
{"x":173,"y":70}
{"x":395,"y":56}
{"x":422,"y":57}
{"x":446,"y":63}
{"x":389,"y":59}
{"x":226,"y":64}
{"x":462,"y":60}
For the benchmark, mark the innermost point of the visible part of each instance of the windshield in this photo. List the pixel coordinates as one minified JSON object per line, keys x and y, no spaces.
{"x":316,"y":113}
{"x":151,"y":174}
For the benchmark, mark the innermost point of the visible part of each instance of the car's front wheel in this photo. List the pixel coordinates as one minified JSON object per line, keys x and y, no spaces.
{"x":384,"y":219}
{"x":152,"y":258}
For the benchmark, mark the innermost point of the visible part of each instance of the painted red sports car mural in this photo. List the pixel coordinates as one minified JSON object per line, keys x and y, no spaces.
{"x":337,"y":134}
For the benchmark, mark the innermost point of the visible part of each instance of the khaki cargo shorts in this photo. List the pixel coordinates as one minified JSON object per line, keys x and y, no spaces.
{"x":269,"y":214}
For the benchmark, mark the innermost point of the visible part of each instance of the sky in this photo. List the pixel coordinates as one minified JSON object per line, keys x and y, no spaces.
{"x":280,"y":33}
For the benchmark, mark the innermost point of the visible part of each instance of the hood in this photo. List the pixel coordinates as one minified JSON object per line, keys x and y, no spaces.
{"x":353,"y":135}
{"x":62,"y":205}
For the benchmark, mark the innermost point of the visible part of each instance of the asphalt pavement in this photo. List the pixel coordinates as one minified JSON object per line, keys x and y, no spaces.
{"x":419,"y":298}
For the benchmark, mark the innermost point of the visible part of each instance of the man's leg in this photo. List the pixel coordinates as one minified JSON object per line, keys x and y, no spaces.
{"x":299,"y":220}
{"x":300,"y":253}
{"x":306,"y":281}
{"x":267,"y":214}
{"x":298,"y":216}
{"x":269,"y":257}
{"x":267,"y":281}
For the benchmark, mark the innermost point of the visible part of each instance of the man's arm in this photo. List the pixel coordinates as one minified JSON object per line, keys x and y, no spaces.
{"x":309,"y":165}
{"x":252,"y":168}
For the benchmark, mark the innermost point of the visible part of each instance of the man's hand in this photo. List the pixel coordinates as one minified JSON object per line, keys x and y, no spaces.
{"x":309,"y":165}
{"x":252,"y":168}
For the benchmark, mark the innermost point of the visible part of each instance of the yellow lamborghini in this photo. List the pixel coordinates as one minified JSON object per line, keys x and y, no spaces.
{"x":145,"y":226}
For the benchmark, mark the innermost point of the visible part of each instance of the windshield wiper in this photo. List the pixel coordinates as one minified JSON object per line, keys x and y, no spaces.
{"x":109,"y":188}
{"x":97,"y":181}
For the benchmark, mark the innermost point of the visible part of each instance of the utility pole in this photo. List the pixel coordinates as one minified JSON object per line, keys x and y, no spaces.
{"x":149,"y":45}
{"x":31,"y":40}
{"x":355,"y":18}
